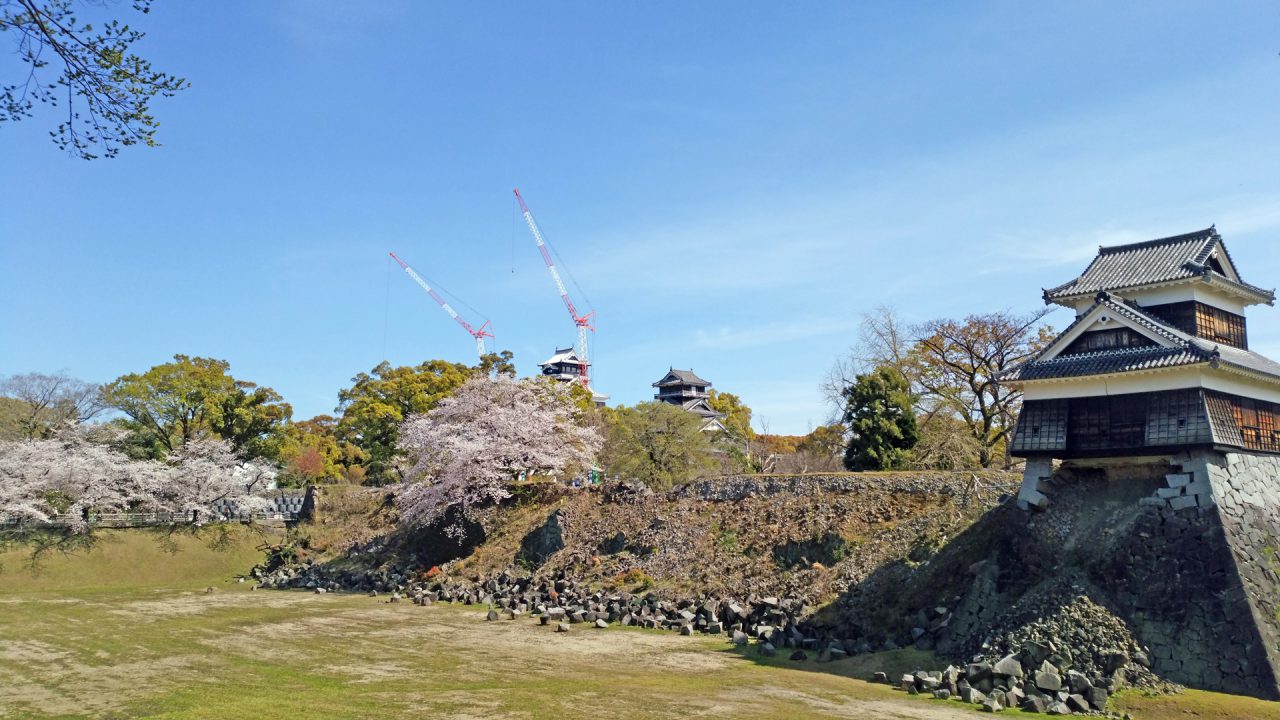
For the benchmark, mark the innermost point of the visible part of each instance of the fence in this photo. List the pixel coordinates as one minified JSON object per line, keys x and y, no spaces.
{"x":130,"y":520}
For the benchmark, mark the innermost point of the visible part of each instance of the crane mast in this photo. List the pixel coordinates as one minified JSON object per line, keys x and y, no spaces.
{"x":583,"y":322}
{"x":479,"y":335}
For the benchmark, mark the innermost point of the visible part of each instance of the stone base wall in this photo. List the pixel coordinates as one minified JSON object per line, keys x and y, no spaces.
{"x":1194,"y":568}
{"x":1246,"y":488}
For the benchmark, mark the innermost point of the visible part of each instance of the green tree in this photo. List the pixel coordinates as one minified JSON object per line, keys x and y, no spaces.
{"x":12,"y":413}
{"x":194,"y":397}
{"x":951,"y":366}
{"x":737,"y":418}
{"x":882,"y":427}
{"x":311,"y":453}
{"x":379,"y":401}
{"x":105,"y":88}
{"x":656,"y":443}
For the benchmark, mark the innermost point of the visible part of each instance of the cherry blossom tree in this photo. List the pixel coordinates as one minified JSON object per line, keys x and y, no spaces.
{"x":471,"y":449}
{"x":206,"y":475}
{"x":69,"y":477}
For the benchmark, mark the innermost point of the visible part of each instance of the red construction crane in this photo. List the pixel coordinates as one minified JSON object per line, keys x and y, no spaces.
{"x":582,"y":321}
{"x":479,"y":335}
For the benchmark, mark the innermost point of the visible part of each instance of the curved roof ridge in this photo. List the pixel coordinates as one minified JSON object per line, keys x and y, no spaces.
{"x":1207,"y":233}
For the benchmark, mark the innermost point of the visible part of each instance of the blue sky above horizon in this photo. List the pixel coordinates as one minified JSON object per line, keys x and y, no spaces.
{"x":731,"y":184}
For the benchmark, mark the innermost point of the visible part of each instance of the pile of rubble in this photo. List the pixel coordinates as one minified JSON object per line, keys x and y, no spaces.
{"x":1027,"y":679}
{"x":773,"y":622}
{"x":1068,"y":660}
{"x":1087,"y":638}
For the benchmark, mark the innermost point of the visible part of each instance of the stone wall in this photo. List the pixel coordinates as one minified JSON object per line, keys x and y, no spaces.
{"x":733,"y":488}
{"x":1201,"y":584}
{"x":1183,"y":551}
{"x":1246,"y":488}
{"x":1195,"y":572}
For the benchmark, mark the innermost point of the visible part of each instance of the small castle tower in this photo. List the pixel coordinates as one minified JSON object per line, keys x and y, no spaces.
{"x":564,"y":365}
{"x":1157,"y":363}
{"x":1154,"y":391}
{"x":685,"y":389}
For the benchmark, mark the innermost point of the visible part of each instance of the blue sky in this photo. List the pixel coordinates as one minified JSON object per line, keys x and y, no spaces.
{"x":731,"y":184}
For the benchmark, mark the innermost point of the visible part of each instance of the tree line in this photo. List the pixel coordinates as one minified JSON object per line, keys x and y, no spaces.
{"x":928,"y":395}
{"x":922,"y":396}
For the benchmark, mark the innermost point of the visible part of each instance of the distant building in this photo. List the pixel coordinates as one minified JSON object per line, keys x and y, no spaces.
{"x":564,"y":365}
{"x":1156,"y":365}
{"x":686,"y":389}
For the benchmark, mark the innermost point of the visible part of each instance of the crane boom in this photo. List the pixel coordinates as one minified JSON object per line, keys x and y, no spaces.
{"x":479,"y":335}
{"x":583,"y":322}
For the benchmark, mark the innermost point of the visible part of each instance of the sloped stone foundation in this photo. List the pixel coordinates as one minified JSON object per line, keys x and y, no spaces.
{"x":1182,"y":549}
{"x":1193,"y":571}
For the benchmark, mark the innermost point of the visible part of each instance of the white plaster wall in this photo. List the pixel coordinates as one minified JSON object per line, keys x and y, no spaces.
{"x":1172,"y":294}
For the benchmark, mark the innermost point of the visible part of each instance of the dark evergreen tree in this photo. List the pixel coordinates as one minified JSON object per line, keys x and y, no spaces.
{"x":882,"y":426}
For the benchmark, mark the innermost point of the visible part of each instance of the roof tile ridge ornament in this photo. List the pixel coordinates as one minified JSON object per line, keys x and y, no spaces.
{"x":1215,"y":357}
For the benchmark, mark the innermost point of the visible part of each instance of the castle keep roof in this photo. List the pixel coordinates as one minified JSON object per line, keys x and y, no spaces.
{"x":680,"y":377}
{"x":1199,"y":255}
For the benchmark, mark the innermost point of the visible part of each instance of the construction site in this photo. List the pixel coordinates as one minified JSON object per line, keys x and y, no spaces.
{"x":568,"y":364}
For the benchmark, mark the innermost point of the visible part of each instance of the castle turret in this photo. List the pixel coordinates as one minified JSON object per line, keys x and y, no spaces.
{"x":685,"y":389}
{"x":1156,"y":363}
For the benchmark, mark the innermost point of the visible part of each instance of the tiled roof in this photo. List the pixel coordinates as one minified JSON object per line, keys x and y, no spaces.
{"x":562,"y":355}
{"x":1105,"y":362}
{"x":1184,"y":350}
{"x":700,"y":407}
{"x":682,"y":377}
{"x":1243,"y":359}
{"x":1178,"y":257}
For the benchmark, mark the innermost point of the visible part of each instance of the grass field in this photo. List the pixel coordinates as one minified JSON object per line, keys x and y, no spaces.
{"x":127,"y":630}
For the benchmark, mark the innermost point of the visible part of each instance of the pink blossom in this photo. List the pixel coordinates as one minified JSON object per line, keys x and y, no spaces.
{"x":472,"y":448}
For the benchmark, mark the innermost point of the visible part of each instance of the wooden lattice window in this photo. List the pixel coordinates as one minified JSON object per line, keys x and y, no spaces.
{"x":1220,"y":326}
{"x":1245,"y":422}
{"x":1205,"y":321}
{"x":1177,"y":418}
{"x":1042,"y":426}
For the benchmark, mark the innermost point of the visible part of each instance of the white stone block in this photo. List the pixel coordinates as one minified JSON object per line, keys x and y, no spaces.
{"x":1029,"y":498}
{"x":1200,"y":487}
{"x":1177,"y":479}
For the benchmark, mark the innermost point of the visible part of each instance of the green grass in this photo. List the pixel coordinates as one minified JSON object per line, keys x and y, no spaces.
{"x":132,"y":559}
{"x":127,"y":630}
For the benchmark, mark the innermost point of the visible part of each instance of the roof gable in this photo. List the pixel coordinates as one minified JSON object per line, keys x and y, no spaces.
{"x":1108,"y":313}
{"x":562,"y":355}
{"x":1173,"y":348}
{"x":1200,"y":254}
